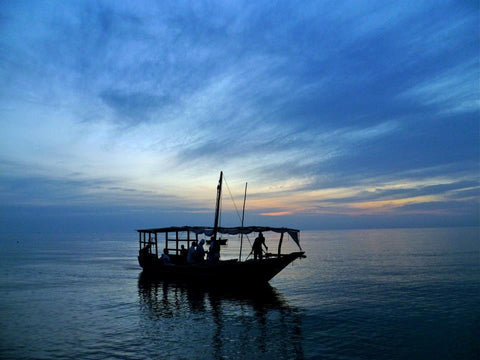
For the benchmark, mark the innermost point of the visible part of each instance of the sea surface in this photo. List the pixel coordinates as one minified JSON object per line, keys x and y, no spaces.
{"x":359,"y":294}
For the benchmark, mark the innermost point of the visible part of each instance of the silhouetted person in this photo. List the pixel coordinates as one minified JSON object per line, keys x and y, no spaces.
{"x":146,"y":250}
{"x":257,"y":247}
{"x":200,"y":253}
{"x":214,"y":250}
{"x":191,"y":253}
{"x":183,"y":254}
{"x":165,"y":258}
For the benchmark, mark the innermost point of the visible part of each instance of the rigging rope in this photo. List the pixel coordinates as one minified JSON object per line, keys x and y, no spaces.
{"x":235,"y":205}
{"x":231,"y":196}
{"x":220,"y":212}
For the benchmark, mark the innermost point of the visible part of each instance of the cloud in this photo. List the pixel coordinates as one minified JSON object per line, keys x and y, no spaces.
{"x":402,"y":191}
{"x":454,"y":91}
{"x":443,"y":207}
{"x":136,"y":106}
{"x":76,"y":190}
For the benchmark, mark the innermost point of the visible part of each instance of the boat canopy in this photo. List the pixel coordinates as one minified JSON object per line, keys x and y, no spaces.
{"x":208,"y":230}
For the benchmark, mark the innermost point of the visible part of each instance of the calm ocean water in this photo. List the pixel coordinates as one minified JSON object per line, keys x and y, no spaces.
{"x":360,"y":294}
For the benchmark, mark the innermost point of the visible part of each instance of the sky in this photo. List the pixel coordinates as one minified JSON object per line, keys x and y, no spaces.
{"x":339,"y":114}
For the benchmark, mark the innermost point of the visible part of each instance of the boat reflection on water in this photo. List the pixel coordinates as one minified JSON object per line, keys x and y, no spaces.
{"x":222,"y":323}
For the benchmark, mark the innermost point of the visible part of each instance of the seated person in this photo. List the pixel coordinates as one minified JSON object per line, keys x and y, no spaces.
{"x":146,"y":250}
{"x":165,"y":258}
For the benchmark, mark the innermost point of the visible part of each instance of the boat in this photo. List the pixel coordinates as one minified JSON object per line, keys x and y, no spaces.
{"x":220,"y":272}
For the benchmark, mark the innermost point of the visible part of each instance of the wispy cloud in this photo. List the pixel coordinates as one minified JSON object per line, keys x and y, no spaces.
{"x":135,"y":106}
{"x":455,"y":90}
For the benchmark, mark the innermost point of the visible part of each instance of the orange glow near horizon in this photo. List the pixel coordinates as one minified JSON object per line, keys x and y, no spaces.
{"x":280,"y":213}
{"x":342,"y":200}
{"x":308,"y":202}
{"x":393,"y":203}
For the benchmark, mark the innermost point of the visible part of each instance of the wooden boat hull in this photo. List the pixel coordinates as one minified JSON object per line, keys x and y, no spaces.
{"x":221,"y":273}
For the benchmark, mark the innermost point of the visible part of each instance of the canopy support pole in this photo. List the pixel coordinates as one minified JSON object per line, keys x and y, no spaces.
{"x":176,"y":243}
{"x":150,"y":243}
{"x":166,"y":240}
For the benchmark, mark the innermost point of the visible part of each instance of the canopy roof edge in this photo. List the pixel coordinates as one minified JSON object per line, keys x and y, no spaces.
{"x":208,"y":230}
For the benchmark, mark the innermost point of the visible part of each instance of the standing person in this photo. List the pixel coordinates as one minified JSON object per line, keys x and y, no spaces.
{"x":200,"y":252}
{"x":214,"y":250}
{"x":183,"y":254}
{"x":257,"y":247}
{"x":191,"y":253}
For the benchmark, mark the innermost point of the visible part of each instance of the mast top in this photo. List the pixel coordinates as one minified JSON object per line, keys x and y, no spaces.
{"x":217,"y":206}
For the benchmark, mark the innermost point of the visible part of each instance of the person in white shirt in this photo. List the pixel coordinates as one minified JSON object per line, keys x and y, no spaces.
{"x":200,"y":253}
{"x":191,"y":253}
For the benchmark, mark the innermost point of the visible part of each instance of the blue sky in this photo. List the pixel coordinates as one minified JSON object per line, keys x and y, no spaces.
{"x":339,"y":114}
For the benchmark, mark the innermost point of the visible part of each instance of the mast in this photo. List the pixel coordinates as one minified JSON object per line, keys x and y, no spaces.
{"x":243,"y":218}
{"x":217,"y":206}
